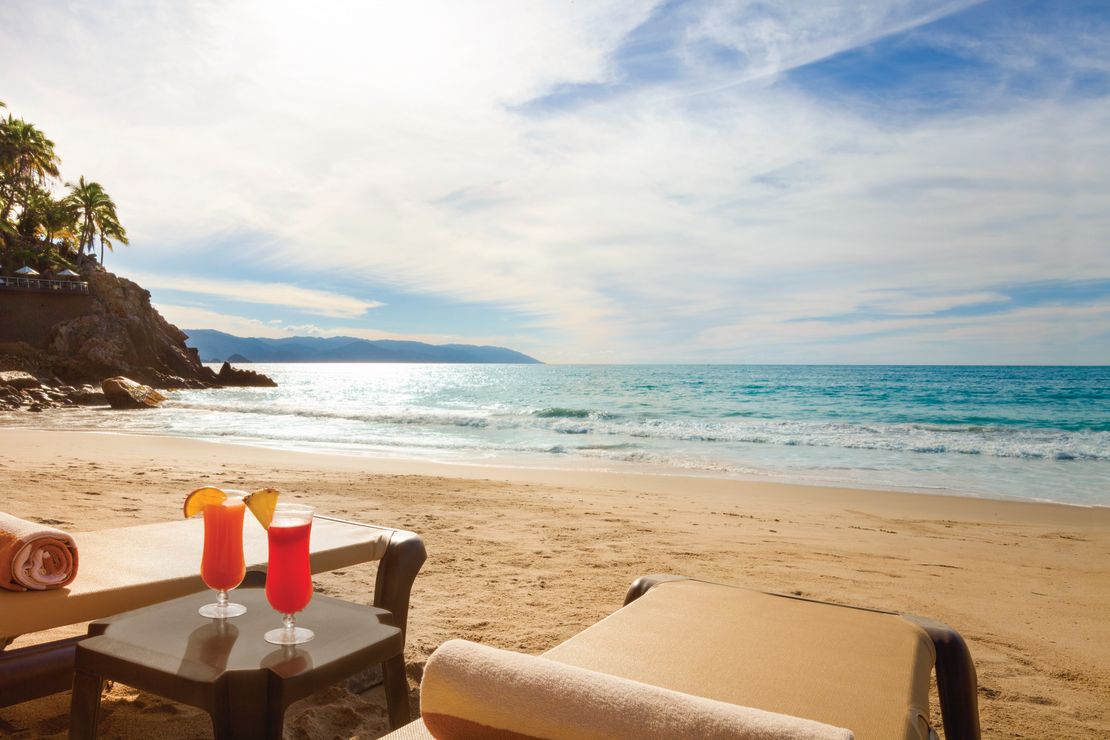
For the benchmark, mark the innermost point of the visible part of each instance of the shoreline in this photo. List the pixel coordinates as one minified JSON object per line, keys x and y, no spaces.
{"x":574,"y":466}
{"x":523,"y":558}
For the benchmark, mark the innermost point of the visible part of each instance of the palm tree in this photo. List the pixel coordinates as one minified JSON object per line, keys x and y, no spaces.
{"x":27,"y":159}
{"x":96,"y":216}
{"x":53,"y":218}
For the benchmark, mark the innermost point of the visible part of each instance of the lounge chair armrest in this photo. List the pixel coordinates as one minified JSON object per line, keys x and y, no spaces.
{"x":957,"y":685}
{"x":397,"y":571}
{"x":643,"y":584}
{"x":397,"y":568}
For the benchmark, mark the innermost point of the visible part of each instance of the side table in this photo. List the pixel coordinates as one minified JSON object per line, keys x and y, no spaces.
{"x":225,"y":666}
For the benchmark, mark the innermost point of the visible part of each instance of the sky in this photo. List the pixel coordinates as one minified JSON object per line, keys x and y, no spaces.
{"x":757,"y":181}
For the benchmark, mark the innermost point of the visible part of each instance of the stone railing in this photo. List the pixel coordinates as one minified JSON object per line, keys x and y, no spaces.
{"x":43,"y":285}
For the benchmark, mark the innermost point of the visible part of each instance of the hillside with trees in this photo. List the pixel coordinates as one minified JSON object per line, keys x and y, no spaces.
{"x":48,"y":223}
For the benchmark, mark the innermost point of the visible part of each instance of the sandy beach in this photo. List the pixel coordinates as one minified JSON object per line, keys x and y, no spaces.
{"x":523,"y":559}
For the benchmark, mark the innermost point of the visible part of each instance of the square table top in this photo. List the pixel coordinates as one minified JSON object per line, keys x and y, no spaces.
{"x":174,"y":647}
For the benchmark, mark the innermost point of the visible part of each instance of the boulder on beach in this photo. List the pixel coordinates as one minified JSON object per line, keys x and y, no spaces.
{"x":124,"y":393}
{"x":88,"y":395}
{"x":19,"y":379}
{"x":10,"y":398}
{"x":229,"y":375}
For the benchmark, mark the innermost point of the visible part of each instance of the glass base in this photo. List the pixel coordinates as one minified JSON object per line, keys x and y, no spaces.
{"x":294,"y":636}
{"x":222,"y":611}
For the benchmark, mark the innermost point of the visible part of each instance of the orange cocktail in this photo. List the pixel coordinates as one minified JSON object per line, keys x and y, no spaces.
{"x":222,"y":566}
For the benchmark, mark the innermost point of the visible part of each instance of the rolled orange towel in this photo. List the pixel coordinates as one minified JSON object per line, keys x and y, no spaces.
{"x":35,"y":557}
{"x":473,"y":691}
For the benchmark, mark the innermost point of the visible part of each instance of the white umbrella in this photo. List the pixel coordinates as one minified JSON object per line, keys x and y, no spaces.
{"x":68,"y":273}
{"x":28,"y":271}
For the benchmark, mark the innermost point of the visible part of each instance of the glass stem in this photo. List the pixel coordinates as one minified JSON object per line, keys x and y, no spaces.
{"x":290,"y":623}
{"x":221,"y":599}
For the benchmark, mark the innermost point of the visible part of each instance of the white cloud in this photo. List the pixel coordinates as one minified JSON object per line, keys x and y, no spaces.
{"x":387,"y":138}
{"x":295,"y":297}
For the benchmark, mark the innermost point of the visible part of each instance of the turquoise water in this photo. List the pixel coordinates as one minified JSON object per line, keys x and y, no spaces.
{"x":1015,"y":432}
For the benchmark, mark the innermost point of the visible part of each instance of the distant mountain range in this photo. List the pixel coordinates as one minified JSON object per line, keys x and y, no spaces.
{"x":216,"y":346}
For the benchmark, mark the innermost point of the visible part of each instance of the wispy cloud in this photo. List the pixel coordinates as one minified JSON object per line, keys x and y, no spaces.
{"x":300,"y":299}
{"x":896,"y":302}
{"x":770,"y":38}
{"x":1018,"y":337}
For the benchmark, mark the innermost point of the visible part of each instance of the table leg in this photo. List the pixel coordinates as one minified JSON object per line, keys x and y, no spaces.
{"x":85,"y":705}
{"x":396,"y":691}
{"x":240,"y":707}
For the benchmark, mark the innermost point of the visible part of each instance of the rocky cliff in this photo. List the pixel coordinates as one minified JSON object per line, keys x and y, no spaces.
{"x":117,"y":333}
{"x":124,"y":335}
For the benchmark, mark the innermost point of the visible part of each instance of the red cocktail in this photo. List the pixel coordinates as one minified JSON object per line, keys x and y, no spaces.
{"x":289,"y":576}
{"x":289,"y":579}
{"x":222,"y":567}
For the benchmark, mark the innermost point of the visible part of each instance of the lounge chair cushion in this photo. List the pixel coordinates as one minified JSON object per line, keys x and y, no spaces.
{"x":415,"y":730}
{"x":471,"y":690}
{"x":856,"y":668}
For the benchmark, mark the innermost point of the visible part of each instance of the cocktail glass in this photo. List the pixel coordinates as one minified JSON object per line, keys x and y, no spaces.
{"x":289,"y":576}
{"x":222,"y":567}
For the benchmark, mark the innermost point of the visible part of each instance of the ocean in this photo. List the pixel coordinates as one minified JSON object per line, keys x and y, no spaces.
{"x":1040,"y":433}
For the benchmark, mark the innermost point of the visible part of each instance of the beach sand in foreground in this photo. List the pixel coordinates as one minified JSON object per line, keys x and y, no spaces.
{"x":523,"y":559}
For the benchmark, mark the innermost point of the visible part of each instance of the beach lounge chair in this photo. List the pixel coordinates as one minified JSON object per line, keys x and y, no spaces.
{"x":862,"y":669}
{"x":132,"y":567}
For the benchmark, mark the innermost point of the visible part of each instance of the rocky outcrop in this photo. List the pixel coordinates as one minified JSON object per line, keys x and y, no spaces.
{"x":124,"y":335}
{"x":229,"y":375}
{"x":124,"y":393}
{"x":45,"y":395}
{"x":31,"y":386}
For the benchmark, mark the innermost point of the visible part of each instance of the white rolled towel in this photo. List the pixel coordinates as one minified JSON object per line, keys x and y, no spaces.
{"x":35,"y":557}
{"x":473,"y":691}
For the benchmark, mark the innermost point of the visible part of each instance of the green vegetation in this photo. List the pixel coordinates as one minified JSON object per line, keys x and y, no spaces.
{"x":38,"y":228}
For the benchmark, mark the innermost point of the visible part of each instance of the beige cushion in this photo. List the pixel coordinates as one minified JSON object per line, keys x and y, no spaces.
{"x":412,"y":731}
{"x":863,"y":670}
{"x":132,"y":567}
{"x":471,"y":690}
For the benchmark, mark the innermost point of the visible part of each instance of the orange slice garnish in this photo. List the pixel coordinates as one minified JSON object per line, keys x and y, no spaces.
{"x":262,"y":504}
{"x":198,"y":499}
